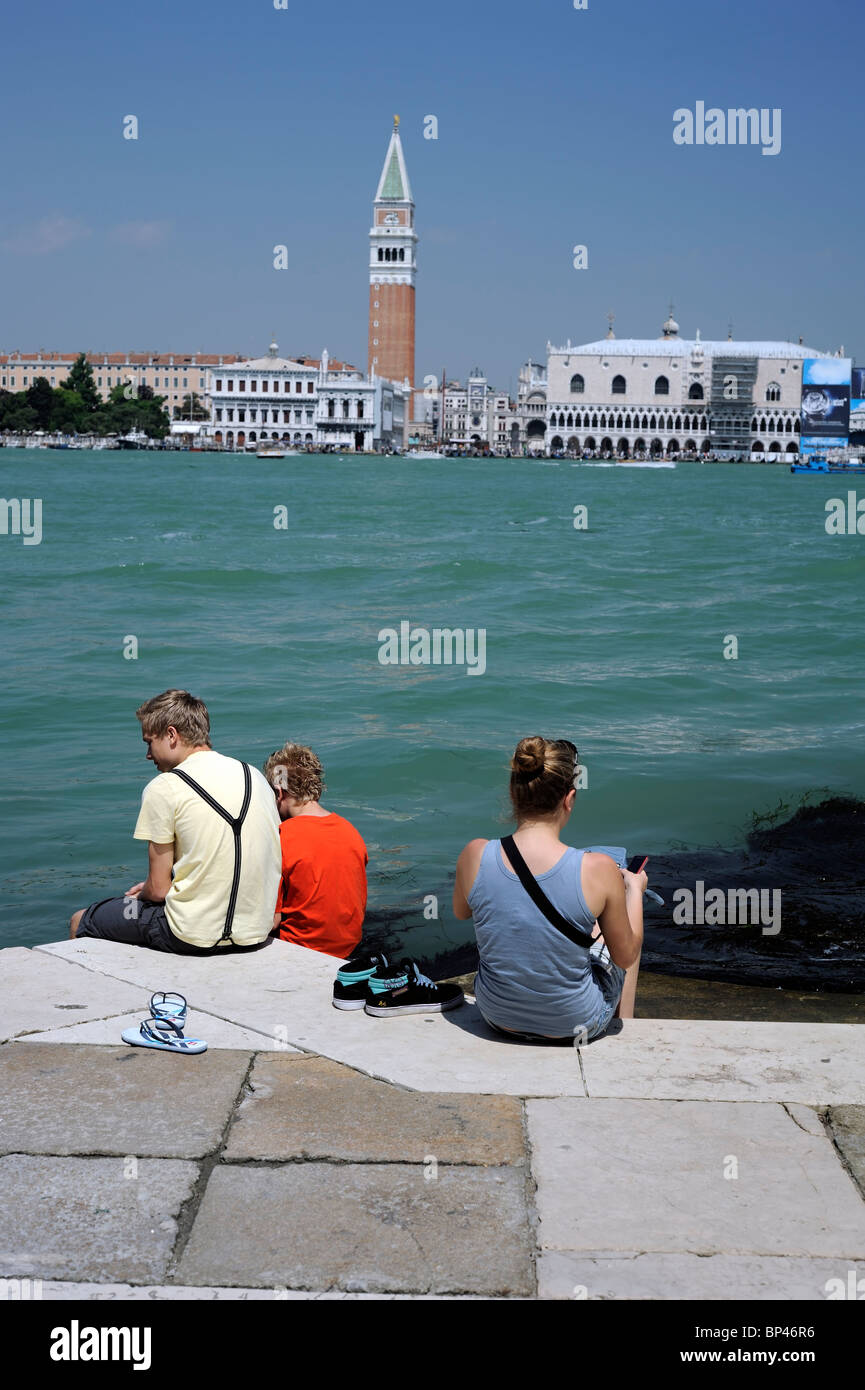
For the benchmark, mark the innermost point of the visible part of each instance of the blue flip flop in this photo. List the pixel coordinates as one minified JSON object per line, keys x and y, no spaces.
{"x":169,"y":1005}
{"x":164,"y":1034}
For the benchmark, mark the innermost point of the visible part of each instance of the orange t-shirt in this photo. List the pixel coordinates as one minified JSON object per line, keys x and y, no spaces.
{"x":322,"y":892}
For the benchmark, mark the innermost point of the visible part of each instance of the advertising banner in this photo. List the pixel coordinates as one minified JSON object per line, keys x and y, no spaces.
{"x":825,"y":403}
{"x":857,"y":408}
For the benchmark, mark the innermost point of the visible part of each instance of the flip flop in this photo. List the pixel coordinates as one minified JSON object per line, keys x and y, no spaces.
{"x":164,"y":1034}
{"x":170,"y":1005}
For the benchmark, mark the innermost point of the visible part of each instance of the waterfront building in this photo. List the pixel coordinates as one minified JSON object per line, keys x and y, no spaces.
{"x":392,"y":270}
{"x":174,"y":375}
{"x":672,"y":396}
{"x":477,"y":416}
{"x":528,"y":430}
{"x":304,"y":401}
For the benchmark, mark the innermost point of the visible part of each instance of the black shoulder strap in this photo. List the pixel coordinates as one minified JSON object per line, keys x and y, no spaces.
{"x":540,"y":899}
{"x":236,"y":823}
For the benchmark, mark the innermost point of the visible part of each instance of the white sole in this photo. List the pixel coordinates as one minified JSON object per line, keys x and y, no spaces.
{"x":347,"y":1004}
{"x":412,"y":1009}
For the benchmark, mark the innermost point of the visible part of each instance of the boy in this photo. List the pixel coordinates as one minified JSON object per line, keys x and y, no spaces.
{"x":322,"y":892}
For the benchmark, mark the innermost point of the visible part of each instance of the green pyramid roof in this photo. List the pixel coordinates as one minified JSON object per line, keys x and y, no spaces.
{"x":392,"y":187}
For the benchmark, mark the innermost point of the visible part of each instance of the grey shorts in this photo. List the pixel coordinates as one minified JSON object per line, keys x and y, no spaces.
{"x":136,"y":922}
{"x":610,"y":980}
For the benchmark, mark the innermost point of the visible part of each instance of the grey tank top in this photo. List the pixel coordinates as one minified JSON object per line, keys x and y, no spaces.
{"x":531,"y":978}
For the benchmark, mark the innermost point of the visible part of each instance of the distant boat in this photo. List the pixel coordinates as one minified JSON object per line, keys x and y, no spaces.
{"x":135,"y":439}
{"x":425,"y":454}
{"x":270,"y":449}
{"x":851,"y":465}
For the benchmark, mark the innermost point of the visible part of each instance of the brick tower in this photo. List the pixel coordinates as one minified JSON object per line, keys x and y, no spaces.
{"x":392,"y":266}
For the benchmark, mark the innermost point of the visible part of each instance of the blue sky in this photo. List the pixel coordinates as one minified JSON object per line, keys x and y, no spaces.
{"x":261,"y":126}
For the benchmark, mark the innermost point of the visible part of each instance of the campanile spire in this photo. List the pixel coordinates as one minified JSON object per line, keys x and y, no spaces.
{"x":392,"y":269}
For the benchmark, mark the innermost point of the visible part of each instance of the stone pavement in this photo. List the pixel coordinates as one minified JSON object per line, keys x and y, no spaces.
{"x":316,"y":1153}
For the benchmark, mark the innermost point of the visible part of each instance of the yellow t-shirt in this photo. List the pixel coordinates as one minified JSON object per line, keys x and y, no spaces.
{"x":197,"y":900}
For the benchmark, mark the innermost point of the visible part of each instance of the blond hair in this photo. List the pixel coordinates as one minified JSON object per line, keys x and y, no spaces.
{"x":296,"y":770}
{"x":542,"y":773}
{"x":179,"y":710}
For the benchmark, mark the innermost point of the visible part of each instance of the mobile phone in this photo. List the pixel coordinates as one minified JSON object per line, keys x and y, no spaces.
{"x":637,"y":863}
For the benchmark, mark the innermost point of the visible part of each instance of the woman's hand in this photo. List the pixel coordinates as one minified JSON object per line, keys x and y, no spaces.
{"x":635,"y":883}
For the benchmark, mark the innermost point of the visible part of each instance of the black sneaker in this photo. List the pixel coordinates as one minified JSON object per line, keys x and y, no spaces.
{"x":350,"y":985}
{"x":404,"y":990}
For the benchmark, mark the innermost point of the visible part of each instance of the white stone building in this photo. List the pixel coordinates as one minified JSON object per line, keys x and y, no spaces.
{"x":672,"y":396}
{"x":477,"y":416}
{"x":305,"y":402}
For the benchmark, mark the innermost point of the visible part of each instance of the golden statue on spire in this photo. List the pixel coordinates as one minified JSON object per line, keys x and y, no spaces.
{"x":396,"y":122}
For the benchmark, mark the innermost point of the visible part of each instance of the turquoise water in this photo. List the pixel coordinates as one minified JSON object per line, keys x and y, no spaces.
{"x":611,"y":636}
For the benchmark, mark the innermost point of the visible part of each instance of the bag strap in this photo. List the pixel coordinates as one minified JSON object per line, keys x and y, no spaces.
{"x":540,"y":899}
{"x":236,"y":822}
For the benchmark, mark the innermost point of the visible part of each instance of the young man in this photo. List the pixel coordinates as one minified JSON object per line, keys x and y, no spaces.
{"x":213,"y":844}
{"x":322,"y":892}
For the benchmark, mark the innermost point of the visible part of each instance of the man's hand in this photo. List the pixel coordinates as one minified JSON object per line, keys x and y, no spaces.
{"x":135,"y":890}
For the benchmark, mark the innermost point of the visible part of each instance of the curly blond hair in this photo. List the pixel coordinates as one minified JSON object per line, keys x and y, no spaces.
{"x":296,"y":770}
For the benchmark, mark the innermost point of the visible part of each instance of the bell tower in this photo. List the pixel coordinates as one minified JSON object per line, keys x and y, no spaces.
{"x":392,"y":267}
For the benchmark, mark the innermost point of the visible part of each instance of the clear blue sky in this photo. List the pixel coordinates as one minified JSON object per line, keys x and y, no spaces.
{"x":261,"y":126}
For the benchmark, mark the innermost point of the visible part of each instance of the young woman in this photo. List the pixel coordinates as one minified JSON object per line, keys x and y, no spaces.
{"x":532,"y":980}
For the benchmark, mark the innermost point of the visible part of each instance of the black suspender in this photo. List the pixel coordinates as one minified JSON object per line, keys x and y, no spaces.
{"x":540,"y":899}
{"x":236,"y":823}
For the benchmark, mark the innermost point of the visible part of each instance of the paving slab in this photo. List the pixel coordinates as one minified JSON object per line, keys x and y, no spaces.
{"x":56,"y":1290}
{"x":649,"y":1176}
{"x":83,"y":1219}
{"x":285,"y":991}
{"x":215,"y":1031}
{"x":39,"y":991}
{"x":68,"y":1098}
{"x":363,"y":1228}
{"x":847,"y":1123}
{"x":719,"y":1278}
{"x":310,"y":1107}
{"x":682,"y":1059}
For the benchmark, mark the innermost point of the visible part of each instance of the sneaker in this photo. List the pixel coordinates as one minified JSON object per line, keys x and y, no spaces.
{"x":350,"y":985}
{"x":404,"y":990}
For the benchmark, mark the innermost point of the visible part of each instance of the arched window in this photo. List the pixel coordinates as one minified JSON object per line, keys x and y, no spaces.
{"x":755,"y":425}
{"x":773,"y":391}
{"x":578,"y":384}
{"x":662,"y":386}
{"x":695,"y":391}
{"x":620,"y":386}
{"x":402,"y":254}
{"x":570,"y":420}
{"x":380,"y":254}
{"x":789,"y":427}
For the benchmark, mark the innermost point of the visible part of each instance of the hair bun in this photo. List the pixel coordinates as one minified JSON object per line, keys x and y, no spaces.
{"x":528,"y":759}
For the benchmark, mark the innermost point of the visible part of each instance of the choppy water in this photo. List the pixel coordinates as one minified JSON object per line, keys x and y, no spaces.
{"x":612,"y":636}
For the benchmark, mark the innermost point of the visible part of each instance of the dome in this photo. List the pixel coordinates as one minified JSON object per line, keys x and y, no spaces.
{"x":671,"y":328}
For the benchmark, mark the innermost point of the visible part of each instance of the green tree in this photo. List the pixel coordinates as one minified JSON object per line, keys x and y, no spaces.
{"x":193,"y":408}
{"x":68,"y":412}
{"x":20,"y":417}
{"x":40,"y":398}
{"x":80,"y":380}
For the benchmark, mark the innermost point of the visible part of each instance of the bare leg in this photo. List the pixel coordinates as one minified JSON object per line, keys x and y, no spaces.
{"x":75,"y":922}
{"x":629,"y":992}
